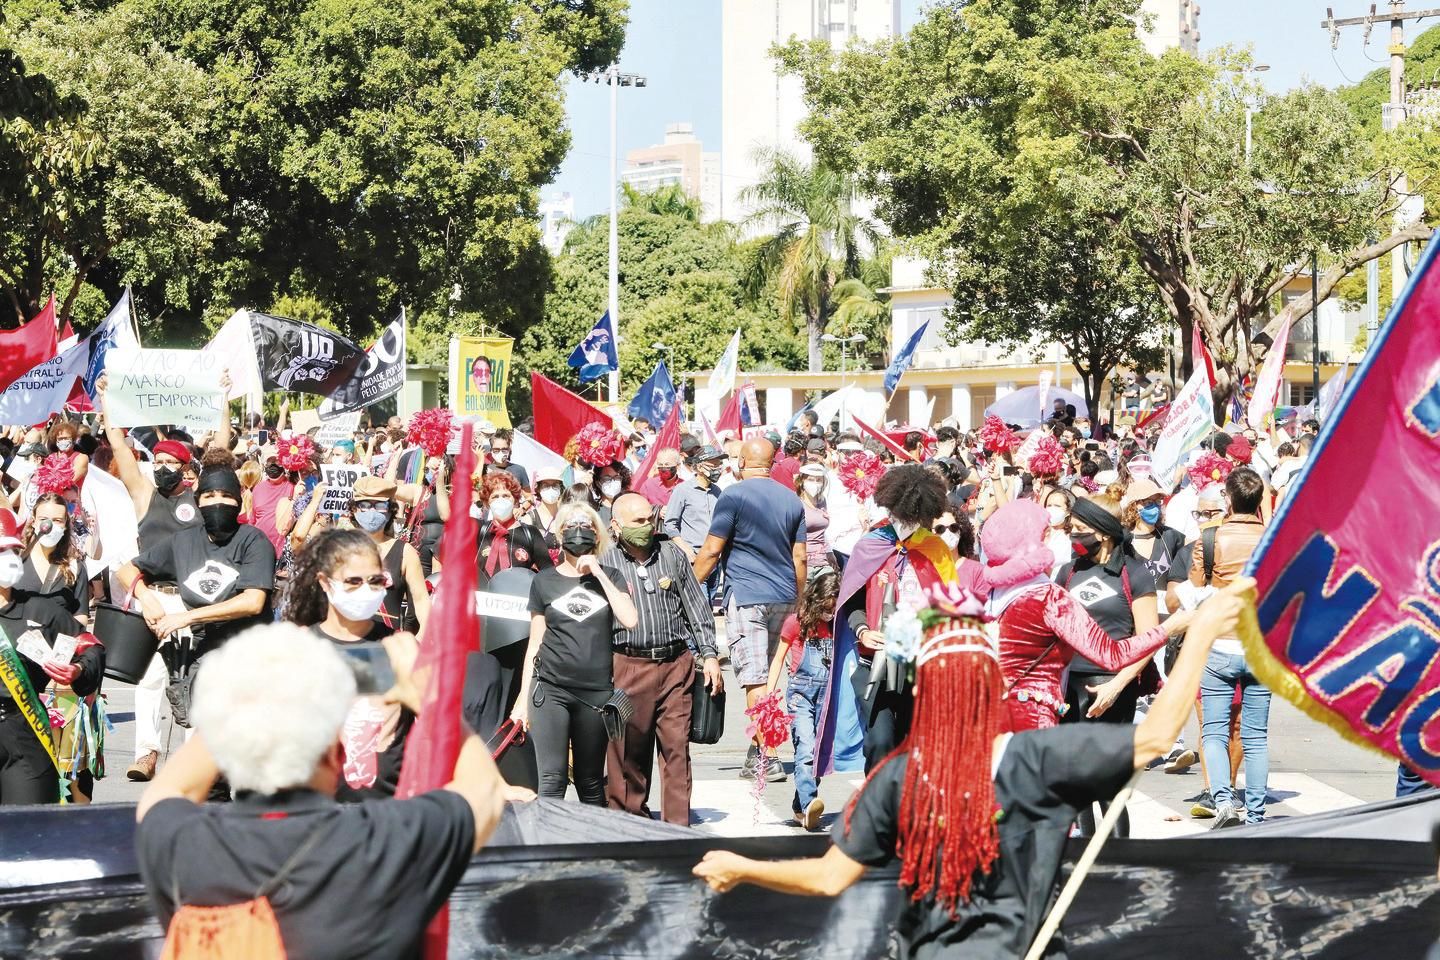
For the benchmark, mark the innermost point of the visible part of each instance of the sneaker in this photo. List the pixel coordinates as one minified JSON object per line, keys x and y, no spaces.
{"x":1202,"y":805}
{"x":143,"y":769}
{"x":1182,"y":761}
{"x":810,"y":820}
{"x":774,"y":770}
{"x":1226,"y":816}
{"x":748,"y":768}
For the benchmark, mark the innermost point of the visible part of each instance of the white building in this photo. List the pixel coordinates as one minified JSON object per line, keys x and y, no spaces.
{"x":680,"y":160}
{"x":761,"y":109}
{"x":557,"y":216}
{"x":1176,"y":24}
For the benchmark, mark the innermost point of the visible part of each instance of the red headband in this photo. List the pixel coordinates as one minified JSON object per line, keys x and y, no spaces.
{"x":175,"y":448}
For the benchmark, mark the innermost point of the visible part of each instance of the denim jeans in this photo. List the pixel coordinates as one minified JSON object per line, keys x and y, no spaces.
{"x":1223,"y":673}
{"x":807,"y":686}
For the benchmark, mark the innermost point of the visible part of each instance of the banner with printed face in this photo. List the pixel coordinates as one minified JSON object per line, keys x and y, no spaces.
{"x":380,"y":375}
{"x":1349,"y":570}
{"x":479,"y":371}
{"x":301,"y":357}
{"x":176,"y":387}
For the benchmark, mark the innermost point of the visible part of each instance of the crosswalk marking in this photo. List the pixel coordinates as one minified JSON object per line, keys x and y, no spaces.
{"x":1306,"y":795}
{"x":726,"y":808}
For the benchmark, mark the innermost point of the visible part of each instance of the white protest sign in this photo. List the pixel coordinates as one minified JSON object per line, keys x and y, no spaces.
{"x":342,"y":427}
{"x":179,"y":387}
{"x":43,"y":390}
{"x":339,"y":484}
{"x":503,"y":606}
{"x":1190,"y":420}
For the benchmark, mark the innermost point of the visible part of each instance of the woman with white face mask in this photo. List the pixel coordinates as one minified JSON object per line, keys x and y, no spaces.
{"x":1057,"y":504}
{"x":810,"y":484}
{"x":338,"y":587}
{"x":53,"y":564}
{"x":372,"y":510}
{"x":549,"y":496}
{"x":506,"y":539}
{"x":611,"y":480}
{"x":63,"y":437}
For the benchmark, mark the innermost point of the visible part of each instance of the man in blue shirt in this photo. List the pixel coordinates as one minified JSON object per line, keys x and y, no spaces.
{"x":758,"y":533}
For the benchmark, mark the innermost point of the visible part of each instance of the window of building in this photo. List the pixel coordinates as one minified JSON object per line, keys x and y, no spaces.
{"x":1301,"y":394}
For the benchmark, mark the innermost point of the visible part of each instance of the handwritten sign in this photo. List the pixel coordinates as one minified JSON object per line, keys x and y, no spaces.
{"x":340,"y":481}
{"x":1192,"y":417}
{"x":177,"y":387}
{"x":342,"y":427}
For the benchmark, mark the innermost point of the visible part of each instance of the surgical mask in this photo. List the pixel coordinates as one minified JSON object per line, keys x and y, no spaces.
{"x":1085,"y":432}
{"x":221,"y":520}
{"x":1150,"y":513}
{"x":166,"y":479}
{"x":579,"y":541}
{"x":11,"y":568}
{"x":609,"y":489}
{"x":500,"y":456}
{"x":372,"y":521}
{"x":362,"y":603}
{"x":51,"y":533}
{"x":640,"y":535}
{"x":1085,"y":545}
{"x":502,"y":508}
{"x":952,"y":540}
{"x":64,"y":445}
{"x":550,"y":496}
{"x":814,"y":488}
{"x":1057,"y":515}
{"x":476,"y":511}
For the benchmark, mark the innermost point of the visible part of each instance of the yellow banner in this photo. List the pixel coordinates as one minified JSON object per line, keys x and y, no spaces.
{"x":479,"y":371}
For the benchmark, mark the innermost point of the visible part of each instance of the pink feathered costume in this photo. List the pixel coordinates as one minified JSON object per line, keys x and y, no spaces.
{"x":1042,"y":627}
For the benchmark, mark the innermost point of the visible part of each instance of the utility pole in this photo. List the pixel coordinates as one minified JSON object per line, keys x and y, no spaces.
{"x":1394,"y":111}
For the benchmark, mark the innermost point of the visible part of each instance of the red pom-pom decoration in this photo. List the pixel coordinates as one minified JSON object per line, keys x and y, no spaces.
{"x":430,"y":431}
{"x":1210,"y":468}
{"x":860,"y":473}
{"x":599,"y":445}
{"x":1048,"y":458}
{"x":55,"y":475}
{"x":769,"y":721}
{"x":297,"y":453}
{"x":996,"y":437}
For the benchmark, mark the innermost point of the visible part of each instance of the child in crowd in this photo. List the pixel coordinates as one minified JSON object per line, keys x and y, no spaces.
{"x":807,"y":647}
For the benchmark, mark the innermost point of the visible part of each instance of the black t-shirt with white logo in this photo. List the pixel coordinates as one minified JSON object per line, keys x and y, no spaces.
{"x":1101,"y":591}
{"x":579,"y":627}
{"x":210,"y":573}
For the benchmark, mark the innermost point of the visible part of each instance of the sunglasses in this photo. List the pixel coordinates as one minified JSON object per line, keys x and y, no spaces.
{"x":377,"y":580}
{"x":947,"y":528}
{"x":1205,"y":514}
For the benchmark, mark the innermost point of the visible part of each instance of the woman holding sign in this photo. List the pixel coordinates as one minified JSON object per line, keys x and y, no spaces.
{"x":32,"y":631}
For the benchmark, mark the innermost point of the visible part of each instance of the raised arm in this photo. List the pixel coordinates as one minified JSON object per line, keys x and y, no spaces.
{"x":1073,"y":624}
{"x":125,"y":462}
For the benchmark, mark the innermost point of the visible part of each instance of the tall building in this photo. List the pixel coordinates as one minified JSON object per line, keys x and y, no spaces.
{"x":681,"y":160}
{"x":761,"y":109}
{"x":557,"y":216}
{"x":1176,"y":23}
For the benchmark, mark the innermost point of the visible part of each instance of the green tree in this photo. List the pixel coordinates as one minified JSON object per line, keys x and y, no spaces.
{"x":818,"y":240}
{"x":1021,"y":115}
{"x":669,"y":200}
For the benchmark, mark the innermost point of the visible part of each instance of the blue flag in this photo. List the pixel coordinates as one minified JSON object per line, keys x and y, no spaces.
{"x":114,"y":333}
{"x":902,"y":360}
{"x":655,"y":397}
{"x":595,"y":356}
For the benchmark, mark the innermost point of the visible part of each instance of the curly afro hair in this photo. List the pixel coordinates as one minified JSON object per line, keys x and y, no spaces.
{"x":912,"y":494}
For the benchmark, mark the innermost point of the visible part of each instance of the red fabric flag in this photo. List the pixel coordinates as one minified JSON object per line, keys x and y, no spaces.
{"x":1199,"y":354}
{"x":730,"y":416}
{"x":900,"y":452}
{"x":29,"y":346}
{"x":667,"y":439}
{"x":559,"y":414}
{"x":452,"y":634}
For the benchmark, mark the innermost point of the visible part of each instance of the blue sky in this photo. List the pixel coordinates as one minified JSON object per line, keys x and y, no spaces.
{"x":675,"y":44}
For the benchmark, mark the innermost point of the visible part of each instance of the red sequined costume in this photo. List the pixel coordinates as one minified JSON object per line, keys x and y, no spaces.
{"x":1041,"y":631}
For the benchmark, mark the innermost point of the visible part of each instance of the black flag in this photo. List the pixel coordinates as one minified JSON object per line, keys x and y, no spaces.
{"x":301,"y":357}
{"x":380,"y":375}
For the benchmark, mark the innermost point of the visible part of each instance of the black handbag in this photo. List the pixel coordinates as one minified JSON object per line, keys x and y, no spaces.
{"x":707,"y":711}
{"x":616,"y":712}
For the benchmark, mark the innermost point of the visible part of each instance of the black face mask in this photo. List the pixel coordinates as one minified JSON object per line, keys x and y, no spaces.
{"x":579,"y":541}
{"x":166,"y":479}
{"x":274,"y":470}
{"x":221,"y":520}
{"x":1086,"y":545}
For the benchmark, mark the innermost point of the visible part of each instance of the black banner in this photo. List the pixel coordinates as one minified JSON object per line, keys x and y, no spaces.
{"x":380,"y":375}
{"x":301,"y":357}
{"x":544,"y":888}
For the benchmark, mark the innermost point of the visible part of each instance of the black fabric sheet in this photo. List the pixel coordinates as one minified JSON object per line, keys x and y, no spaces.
{"x":542,"y":889}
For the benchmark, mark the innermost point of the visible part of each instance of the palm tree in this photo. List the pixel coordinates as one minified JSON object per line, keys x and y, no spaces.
{"x":667,"y":201}
{"x":817,"y":242}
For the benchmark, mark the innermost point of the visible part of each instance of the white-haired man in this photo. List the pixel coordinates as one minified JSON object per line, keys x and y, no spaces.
{"x":356,"y":880}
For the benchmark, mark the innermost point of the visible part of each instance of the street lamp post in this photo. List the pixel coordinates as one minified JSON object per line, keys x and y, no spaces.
{"x":616,"y":79}
{"x":844,"y":342}
{"x":1249,"y":111}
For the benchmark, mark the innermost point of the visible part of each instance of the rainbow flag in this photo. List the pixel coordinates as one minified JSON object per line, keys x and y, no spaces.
{"x":1347,"y":625}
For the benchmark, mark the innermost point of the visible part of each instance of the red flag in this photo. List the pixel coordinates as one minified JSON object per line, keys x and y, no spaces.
{"x":453,"y":634}
{"x":667,"y":439}
{"x":29,"y":346}
{"x":1160,"y":412}
{"x":891,"y":445}
{"x":559,"y":414}
{"x":1199,"y":354}
{"x":730,"y":416}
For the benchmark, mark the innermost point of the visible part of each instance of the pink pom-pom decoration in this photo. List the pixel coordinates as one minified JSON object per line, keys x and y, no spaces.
{"x":1048,"y":458}
{"x":769,"y":721}
{"x":599,"y":445}
{"x":297,"y":453}
{"x":1210,"y":468}
{"x":430,"y":431}
{"x":860,"y":473}
{"x":996,"y":437}
{"x":56,"y":474}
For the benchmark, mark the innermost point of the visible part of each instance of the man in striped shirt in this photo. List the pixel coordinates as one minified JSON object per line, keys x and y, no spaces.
{"x":655,"y":662}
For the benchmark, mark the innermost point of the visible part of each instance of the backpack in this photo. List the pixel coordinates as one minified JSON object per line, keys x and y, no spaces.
{"x":240,"y":931}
